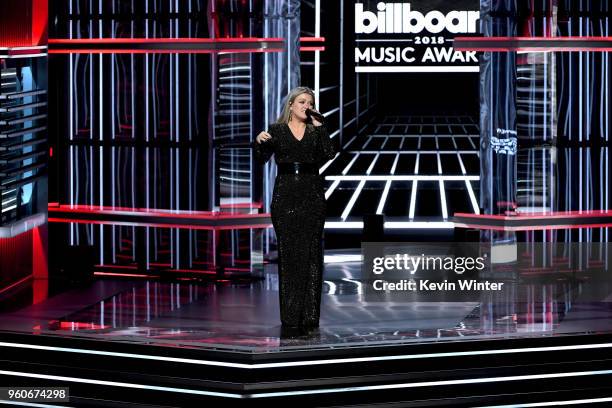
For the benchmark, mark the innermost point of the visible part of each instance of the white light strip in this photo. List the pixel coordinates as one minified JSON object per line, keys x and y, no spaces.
{"x":36,"y":47}
{"x":120,"y":384}
{"x":383,"y":198}
{"x":349,"y":142}
{"x":369,"y":170}
{"x":419,"y":224}
{"x":443,"y":200}
{"x":343,"y":225}
{"x":329,"y":162}
{"x":460,"y":161}
{"x":394,"y":166}
{"x":409,"y":177}
{"x":25,"y":56}
{"x":351,"y":202}
{"x":384,"y":143}
{"x":331,"y":189}
{"x":413,"y":196}
{"x":473,"y":200}
{"x":317,"y":57}
{"x":312,"y":362}
{"x":346,"y":169}
{"x":342,"y":258}
{"x":317,"y":71}
{"x":349,"y":123}
{"x":30,"y":404}
{"x":382,"y":40}
{"x":416,"y":69}
{"x":552,"y":403}
{"x":331,"y":111}
{"x":485,"y":380}
{"x":240,"y":68}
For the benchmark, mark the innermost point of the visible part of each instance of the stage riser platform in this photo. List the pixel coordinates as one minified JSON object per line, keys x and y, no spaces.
{"x":508,"y":371}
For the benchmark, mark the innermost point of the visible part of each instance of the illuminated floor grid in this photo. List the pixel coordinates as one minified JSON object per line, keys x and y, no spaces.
{"x":416,"y":170}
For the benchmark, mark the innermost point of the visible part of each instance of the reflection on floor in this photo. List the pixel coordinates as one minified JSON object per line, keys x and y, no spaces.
{"x":245,"y":316}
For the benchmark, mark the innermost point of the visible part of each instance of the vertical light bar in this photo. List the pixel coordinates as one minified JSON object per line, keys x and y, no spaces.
{"x":413,"y":195}
{"x":176,"y":97}
{"x":369,"y":170}
{"x":147,"y":199}
{"x":442,"y":191}
{"x":71,"y":170}
{"x":384,"y":143}
{"x":91,"y":191}
{"x":473,"y":200}
{"x":580,"y":107}
{"x":147,"y":180}
{"x":101,"y":134}
{"x":394,"y":166}
{"x":317,"y":55}
{"x":102,"y":314}
{"x":352,"y":201}
{"x":383,"y":197}
{"x":71,"y":127}
{"x":341,"y":76}
{"x":114,"y":243}
{"x":607,"y":57}
{"x":177,"y":123}
{"x":266,"y":198}
{"x":443,"y":200}
{"x":101,"y":197}
{"x":288,"y":49}
{"x":172,"y":202}
{"x":134,"y":243}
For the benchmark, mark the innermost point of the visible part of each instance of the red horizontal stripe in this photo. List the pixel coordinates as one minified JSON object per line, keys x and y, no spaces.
{"x":155,"y":51}
{"x":308,"y":39}
{"x":159,"y":40}
{"x":162,"y":225}
{"x":540,"y":215}
{"x":312,"y":48}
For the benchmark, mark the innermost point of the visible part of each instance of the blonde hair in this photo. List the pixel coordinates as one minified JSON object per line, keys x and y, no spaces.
{"x":295,"y":92}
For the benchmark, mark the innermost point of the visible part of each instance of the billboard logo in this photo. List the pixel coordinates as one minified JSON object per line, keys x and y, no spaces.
{"x":399,"y":18}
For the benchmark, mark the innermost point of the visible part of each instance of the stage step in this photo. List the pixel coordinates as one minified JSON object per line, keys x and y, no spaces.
{"x":459,"y":373}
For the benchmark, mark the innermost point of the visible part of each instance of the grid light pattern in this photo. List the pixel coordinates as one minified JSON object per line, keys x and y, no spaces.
{"x":416,"y":170}
{"x":23,"y":134}
{"x":233,"y":122}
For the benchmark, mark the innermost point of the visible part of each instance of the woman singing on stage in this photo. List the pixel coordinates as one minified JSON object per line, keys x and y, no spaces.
{"x":301,"y":145}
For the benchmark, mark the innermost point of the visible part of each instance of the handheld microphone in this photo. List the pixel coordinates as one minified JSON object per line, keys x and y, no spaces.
{"x":315,"y":115}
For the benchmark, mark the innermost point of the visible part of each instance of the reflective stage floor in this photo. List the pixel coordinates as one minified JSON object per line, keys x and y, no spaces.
{"x":244,"y":317}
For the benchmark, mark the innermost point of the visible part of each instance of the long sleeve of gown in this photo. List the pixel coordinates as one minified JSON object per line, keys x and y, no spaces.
{"x":264,"y":150}
{"x":328,"y":148}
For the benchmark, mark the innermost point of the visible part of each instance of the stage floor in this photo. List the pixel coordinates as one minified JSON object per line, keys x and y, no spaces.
{"x":244,"y":317}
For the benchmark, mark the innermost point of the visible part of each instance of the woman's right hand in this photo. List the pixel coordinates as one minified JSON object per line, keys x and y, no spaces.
{"x":263,"y":137}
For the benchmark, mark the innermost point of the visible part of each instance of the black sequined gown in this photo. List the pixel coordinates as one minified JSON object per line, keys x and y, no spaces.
{"x":298,"y":216}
